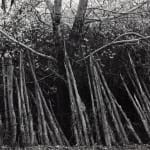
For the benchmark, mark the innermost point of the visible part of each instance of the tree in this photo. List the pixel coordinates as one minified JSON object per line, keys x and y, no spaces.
{"x":78,"y":24}
{"x":100,"y":31}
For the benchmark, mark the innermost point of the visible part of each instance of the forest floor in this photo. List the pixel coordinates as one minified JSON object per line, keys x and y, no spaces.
{"x":127,"y":147}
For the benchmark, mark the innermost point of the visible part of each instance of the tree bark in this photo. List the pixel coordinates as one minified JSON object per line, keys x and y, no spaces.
{"x":76,"y":34}
{"x":78,"y":24}
{"x":11,"y":111}
{"x":62,"y":99}
{"x":55,"y":10}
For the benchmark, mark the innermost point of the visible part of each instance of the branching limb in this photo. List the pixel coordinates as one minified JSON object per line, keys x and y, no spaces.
{"x":26,"y":47}
{"x":115,"y":43}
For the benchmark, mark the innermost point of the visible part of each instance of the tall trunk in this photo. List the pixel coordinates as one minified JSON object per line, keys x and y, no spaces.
{"x":21,"y":134}
{"x":23,"y":103}
{"x":55,"y":11}
{"x":62,"y":97}
{"x":42,"y":126}
{"x":29,"y":114}
{"x":12,"y":115}
{"x":76,"y":34}
{"x":46,"y":117}
{"x":57,"y":17}
{"x":82,"y":129}
{"x":79,"y":20}
{"x":5,"y":98}
{"x":28,"y":122}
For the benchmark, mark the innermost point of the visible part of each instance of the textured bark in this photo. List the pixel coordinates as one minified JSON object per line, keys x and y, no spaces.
{"x":25,"y":122}
{"x":42,"y":125}
{"x":79,"y":19}
{"x":82,"y":128}
{"x":139,"y":110}
{"x":95,"y":120}
{"x":12,"y":115}
{"x":57,"y":16}
{"x":21,"y":134}
{"x":62,"y":106}
{"x":47,"y":122}
{"x":5,"y":98}
{"x":114,"y":108}
{"x":55,"y":10}
{"x":32,"y":136}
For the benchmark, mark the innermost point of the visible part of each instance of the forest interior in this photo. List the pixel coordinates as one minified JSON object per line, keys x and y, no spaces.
{"x":75,"y":74}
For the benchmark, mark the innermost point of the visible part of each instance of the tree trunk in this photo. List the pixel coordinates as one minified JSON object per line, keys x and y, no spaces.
{"x":55,"y":11}
{"x":11,"y":111}
{"x":61,"y":87}
{"x":78,"y":24}
{"x":76,"y":34}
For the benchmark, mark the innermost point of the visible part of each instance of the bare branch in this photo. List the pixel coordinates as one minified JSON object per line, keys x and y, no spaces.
{"x":129,"y":33}
{"x":26,"y":47}
{"x":114,"y":43}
